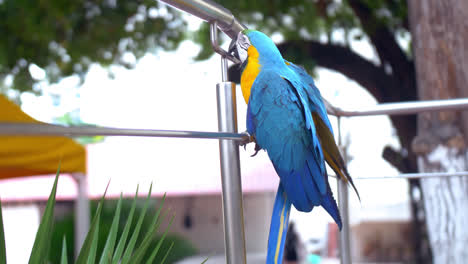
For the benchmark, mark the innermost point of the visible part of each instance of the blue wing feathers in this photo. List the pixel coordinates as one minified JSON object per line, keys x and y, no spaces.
{"x":313,"y":93}
{"x":293,"y":187}
{"x":320,"y":182}
{"x":281,"y":118}
{"x":251,"y":124}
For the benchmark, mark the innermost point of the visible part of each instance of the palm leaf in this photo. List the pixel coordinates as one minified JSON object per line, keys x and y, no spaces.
{"x":167,"y":253}
{"x":156,"y":249}
{"x":88,"y":250}
{"x":64,"y":258}
{"x":140,"y":252}
{"x":41,"y":245}
{"x":131,"y":244}
{"x":123,"y":238}
{"x":93,"y":248}
{"x":108,"y":250}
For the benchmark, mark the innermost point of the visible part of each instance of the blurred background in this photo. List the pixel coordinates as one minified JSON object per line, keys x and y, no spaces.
{"x":146,"y":65}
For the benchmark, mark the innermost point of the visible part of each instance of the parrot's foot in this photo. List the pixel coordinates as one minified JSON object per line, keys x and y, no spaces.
{"x":257,"y":149}
{"x":249,"y":139}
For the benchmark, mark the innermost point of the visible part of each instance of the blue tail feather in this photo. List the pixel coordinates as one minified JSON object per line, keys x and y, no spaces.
{"x":278,"y":227}
{"x":329,"y":203}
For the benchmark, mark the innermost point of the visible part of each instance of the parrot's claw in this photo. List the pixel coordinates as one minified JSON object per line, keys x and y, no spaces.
{"x":251,"y":138}
{"x":257,"y":149}
{"x":246,"y":141}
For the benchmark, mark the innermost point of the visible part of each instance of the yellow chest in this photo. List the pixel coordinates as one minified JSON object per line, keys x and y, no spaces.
{"x":250,"y":72}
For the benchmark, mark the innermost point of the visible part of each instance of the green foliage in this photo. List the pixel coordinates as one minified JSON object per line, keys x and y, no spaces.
{"x":65,"y":38}
{"x":88,"y":249}
{"x":294,"y":20}
{"x":145,"y":250}
{"x":123,"y":237}
{"x":64,"y":227}
{"x":303,"y":20}
{"x":165,"y":256}
{"x":393,"y":14}
{"x":73,"y":119}
{"x":64,"y":259}
{"x":41,"y":245}
{"x":108,"y":250}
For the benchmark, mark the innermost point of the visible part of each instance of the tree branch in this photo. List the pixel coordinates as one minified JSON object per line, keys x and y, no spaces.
{"x":396,"y":4}
{"x":389,"y":51}
{"x":400,"y":162}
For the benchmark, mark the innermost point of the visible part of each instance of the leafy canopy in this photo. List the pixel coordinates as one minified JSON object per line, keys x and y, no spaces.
{"x":65,"y":38}
{"x":306,"y":20}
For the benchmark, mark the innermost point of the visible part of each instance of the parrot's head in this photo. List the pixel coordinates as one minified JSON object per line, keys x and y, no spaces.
{"x":255,"y":43}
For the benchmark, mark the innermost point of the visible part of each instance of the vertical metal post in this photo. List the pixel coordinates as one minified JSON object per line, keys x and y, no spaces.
{"x":345,"y":252}
{"x":82,"y":214}
{"x":234,"y":238}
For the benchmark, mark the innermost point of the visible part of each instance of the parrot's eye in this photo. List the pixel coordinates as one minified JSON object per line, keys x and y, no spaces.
{"x":242,"y":44}
{"x":243,"y":41}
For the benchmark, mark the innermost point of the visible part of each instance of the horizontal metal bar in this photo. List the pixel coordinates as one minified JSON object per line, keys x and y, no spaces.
{"x":402,"y":108}
{"x":382,"y":109}
{"x":406,"y":176}
{"x":30,"y":129}
{"x":210,"y":12}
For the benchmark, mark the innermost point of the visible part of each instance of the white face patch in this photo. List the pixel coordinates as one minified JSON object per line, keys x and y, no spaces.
{"x":242,"y":44}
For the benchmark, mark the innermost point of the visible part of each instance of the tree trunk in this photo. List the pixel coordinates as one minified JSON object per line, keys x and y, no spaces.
{"x":440,"y":46}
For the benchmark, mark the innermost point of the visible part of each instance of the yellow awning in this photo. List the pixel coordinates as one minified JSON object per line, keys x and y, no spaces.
{"x":27,"y":155}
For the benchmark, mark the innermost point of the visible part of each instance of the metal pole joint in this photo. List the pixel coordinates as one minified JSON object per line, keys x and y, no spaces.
{"x":215,"y":44}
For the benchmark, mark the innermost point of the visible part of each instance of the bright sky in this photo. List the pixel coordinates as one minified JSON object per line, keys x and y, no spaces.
{"x":168,"y":90}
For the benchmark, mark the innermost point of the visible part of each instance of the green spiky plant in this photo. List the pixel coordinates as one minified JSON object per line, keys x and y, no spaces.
{"x":64,"y":226}
{"x":123,"y":251}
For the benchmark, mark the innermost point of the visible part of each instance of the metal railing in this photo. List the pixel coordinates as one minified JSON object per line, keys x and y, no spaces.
{"x":223,"y":19}
{"x":404,"y":108}
{"x":210,"y":12}
{"x":43,"y":129}
{"x":401,"y":108}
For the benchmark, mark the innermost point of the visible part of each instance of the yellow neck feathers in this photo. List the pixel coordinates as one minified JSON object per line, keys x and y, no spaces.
{"x":250,"y":72}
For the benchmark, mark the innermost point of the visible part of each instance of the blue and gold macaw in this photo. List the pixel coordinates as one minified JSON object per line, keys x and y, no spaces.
{"x":286,"y":117}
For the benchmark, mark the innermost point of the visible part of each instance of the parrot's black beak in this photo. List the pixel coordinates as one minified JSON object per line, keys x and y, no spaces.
{"x":233,"y":49}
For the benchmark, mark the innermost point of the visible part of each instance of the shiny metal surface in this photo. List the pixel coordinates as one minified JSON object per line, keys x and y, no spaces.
{"x":215,"y":45}
{"x":343,"y":197}
{"x":29,"y":129}
{"x":210,"y":12}
{"x":234,"y":237}
{"x":343,"y":205}
{"x":416,"y":175}
{"x":224,"y":69}
{"x":82,"y":211}
{"x":402,"y":108}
